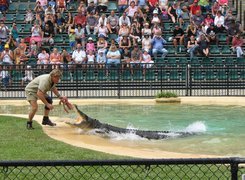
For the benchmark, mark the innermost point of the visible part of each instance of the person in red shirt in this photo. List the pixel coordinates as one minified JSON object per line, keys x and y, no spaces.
{"x":194,"y":7}
{"x":237,"y":43}
{"x":80,"y":19}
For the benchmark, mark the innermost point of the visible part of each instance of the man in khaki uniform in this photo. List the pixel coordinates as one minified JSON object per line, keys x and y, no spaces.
{"x":37,"y":89}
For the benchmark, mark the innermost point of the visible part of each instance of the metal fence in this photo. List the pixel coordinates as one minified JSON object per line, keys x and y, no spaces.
{"x":212,"y":78}
{"x":179,"y":169}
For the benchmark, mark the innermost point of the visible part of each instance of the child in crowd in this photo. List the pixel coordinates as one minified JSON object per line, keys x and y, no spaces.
{"x":90,"y":57}
{"x":5,"y":77}
{"x":29,"y":75}
{"x":33,"y":49}
{"x":90,"y":46}
{"x":29,"y":17}
{"x":101,"y":58}
{"x":72,"y":38}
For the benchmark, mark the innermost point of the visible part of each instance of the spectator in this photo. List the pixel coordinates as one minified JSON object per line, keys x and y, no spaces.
{"x":11,"y":42}
{"x":146,"y":42}
{"x":178,"y":36}
{"x":146,"y":29}
{"x":3,"y":6}
{"x":102,"y":30}
{"x":43,"y":3}
{"x":49,"y":14}
{"x":38,"y":8}
{"x":194,"y":8}
{"x":82,"y":8}
{"x":212,"y":35}
{"x":232,"y":31}
{"x":55,"y":58}
{"x":131,"y":9}
{"x":237,"y":44}
{"x":61,"y":6}
{"x":80,"y":19}
{"x":48,"y":34}
{"x":186,"y":13}
{"x":7,"y":56}
{"x":22,"y":45}
{"x":179,"y":13}
{"x":72,"y":38}
{"x":90,"y":57}
{"x":103,"y":20}
{"x":124,"y":19}
{"x":43,"y":58}
{"x":198,"y":19}
{"x":219,"y":22}
{"x":204,"y":5}
{"x":4,"y":30}
{"x":191,"y":30}
{"x":29,"y":75}
{"x":122,"y":5}
{"x":215,"y":8}
{"x":223,"y":6}
{"x":124,"y":44}
{"x":16,"y":56}
{"x":29,"y":17}
{"x":158,"y":45}
{"x":113,"y":56}
{"x":101,"y":58}
{"x":91,"y":9}
{"x":80,"y":35}
{"x":192,"y":46}
{"x":15,"y":33}
{"x":163,"y":4}
{"x":102,"y":44}
{"x":5,"y":77}
{"x":156,"y":30}
{"x":124,"y":30}
{"x":90,"y":46}
{"x":36,"y":34}
{"x":203,"y":47}
{"x":79,"y":55}
{"x":172,"y":12}
{"x":59,"y":23}
{"x":135,"y":33}
{"x":113,"y":23}
{"x":164,"y":13}
{"x":69,"y":20}
{"x":208,"y":21}
{"x":229,"y":18}
{"x":155,"y":18}
{"x":33,"y":48}
{"x":146,"y":60}
{"x":102,"y":5}
{"x":65,"y":58}
{"x":92,"y":24}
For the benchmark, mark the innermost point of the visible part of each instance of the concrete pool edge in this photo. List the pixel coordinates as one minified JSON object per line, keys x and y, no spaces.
{"x":224,"y":100}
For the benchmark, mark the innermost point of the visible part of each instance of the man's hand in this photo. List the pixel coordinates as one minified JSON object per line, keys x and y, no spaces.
{"x":50,"y":106}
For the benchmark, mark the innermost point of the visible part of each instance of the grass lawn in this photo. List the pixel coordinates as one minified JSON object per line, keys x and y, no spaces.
{"x":18,"y":143}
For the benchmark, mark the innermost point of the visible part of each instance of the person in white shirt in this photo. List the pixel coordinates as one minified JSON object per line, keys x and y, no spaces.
{"x":124,"y":19}
{"x":219,"y":22}
{"x":90,"y":57}
{"x":29,"y":75}
{"x":5,"y":77}
{"x":79,"y":55}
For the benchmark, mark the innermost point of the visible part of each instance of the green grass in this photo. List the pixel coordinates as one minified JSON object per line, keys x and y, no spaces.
{"x":18,"y":143}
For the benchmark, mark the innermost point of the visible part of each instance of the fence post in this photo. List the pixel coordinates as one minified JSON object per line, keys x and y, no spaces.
{"x":234,"y":170}
{"x":118,"y":80}
{"x":188,"y":80}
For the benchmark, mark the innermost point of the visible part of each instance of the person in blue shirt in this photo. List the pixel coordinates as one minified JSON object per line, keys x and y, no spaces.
{"x":158,"y":45}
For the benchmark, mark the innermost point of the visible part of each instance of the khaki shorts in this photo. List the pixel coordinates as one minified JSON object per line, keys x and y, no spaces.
{"x":31,"y":96}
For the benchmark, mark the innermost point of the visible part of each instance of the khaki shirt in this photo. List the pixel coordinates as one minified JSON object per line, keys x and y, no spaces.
{"x":42,"y":83}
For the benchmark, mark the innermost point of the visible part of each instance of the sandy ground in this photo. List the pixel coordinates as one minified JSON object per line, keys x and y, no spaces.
{"x":70,"y":135}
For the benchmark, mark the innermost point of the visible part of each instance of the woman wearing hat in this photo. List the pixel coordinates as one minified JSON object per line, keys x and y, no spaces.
{"x":90,"y":46}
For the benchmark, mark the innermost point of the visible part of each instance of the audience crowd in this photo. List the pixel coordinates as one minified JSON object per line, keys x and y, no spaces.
{"x":133,"y":33}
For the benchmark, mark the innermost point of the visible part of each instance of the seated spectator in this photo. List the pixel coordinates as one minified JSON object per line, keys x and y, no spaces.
{"x":194,"y":8}
{"x":52,"y":3}
{"x":192,"y":46}
{"x":122,"y":5}
{"x":92,"y":24}
{"x":155,"y":18}
{"x":164,"y":13}
{"x":91,"y":9}
{"x":203,"y":46}
{"x":156,"y":30}
{"x":22,"y":45}
{"x":152,"y":4}
{"x":90,"y":57}
{"x":65,"y":58}
{"x":7,"y":56}
{"x":158,"y":45}
{"x":237,"y":44}
{"x":102,"y":44}
{"x":80,"y":35}
{"x":80,"y":19}
{"x":146,"y":43}
{"x":163,"y":4}
{"x":29,"y":75}
{"x":61,"y":6}
{"x":146,"y":60}
{"x":191,"y":30}
{"x":101,"y":58}
{"x":49,"y":14}
{"x":215,"y":8}
{"x":208,"y":21}
{"x":82,"y":8}
{"x":233,"y":30}
{"x":198,"y":19}
{"x":48,"y":34}
{"x":23,"y":59}
{"x":29,"y":17}
{"x":172,"y":12}
{"x":135,"y":33}
{"x":72,"y":38}
{"x":11,"y":42}
{"x":4,"y":30}
{"x":204,"y":5}
{"x":55,"y":58}
{"x":212,"y":35}
{"x":223,"y":6}
{"x":113,"y":23}
{"x":5,"y":77}
{"x":43,"y":3}
{"x":178,"y":36}
{"x":69,"y":21}
{"x":146,"y":29}
{"x":38,"y":8}
{"x":124,"y":19}
{"x":124,"y":44}
{"x":219,"y":22}
{"x":124,"y":31}
{"x":59,"y":23}
{"x":136,"y":58}
{"x":113,"y":56}
{"x":43,"y":58}
{"x":3,"y":6}
{"x":90,"y":46}
{"x":186,"y":14}
{"x":16,"y":56}
{"x":36,"y":34}
{"x":102,"y":5}
{"x":179,"y":13}
{"x":79,"y":55}
{"x":102,"y":30}
{"x":229,"y":18}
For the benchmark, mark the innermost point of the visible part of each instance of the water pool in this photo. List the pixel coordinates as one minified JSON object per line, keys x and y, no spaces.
{"x":222,"y":127}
